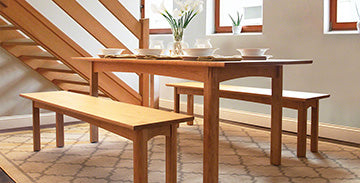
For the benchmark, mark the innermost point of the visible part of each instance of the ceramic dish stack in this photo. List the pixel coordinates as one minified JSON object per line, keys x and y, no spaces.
{"x":254,"y":53}
{"x":200,"y":52}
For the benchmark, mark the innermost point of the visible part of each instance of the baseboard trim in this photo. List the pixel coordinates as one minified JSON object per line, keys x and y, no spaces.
{"x":330,"y":131}
{"x":20,"y":121}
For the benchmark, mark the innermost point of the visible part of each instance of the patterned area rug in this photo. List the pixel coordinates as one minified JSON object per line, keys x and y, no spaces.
{"x":244,"y":157}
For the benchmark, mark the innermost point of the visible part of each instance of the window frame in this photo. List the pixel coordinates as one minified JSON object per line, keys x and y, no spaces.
{"x":228,"y":29}
{"x":153,"y":31}
{"x":334,"y":25}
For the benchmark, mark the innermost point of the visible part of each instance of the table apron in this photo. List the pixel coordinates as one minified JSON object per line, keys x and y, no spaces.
{"x":196,"y":73}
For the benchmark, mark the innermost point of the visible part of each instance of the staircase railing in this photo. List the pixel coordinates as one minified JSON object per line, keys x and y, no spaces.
{"x":42,"y":31}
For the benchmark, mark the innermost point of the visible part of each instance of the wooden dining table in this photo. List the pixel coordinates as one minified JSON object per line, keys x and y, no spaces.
{"x":211,"y":73}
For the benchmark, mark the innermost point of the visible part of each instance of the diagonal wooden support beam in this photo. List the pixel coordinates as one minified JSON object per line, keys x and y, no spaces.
{"x":124,"y":16}
{"x":90,"y":24}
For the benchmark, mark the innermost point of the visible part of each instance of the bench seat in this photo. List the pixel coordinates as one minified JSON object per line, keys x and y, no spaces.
{"x":133,"y":122}
{"x":300,"y":101}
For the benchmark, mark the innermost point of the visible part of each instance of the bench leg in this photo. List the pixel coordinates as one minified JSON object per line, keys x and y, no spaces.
{"x":36,"y":128}
{"x":171,"y":154}
{"x":190,"y":107}
{"x":314,"y":127}
{"x":176,"y":102}
{"x":94,"y":134}
{"x":59,"y":130}
{"x":140,"y":158}
{"x":301,"y":131}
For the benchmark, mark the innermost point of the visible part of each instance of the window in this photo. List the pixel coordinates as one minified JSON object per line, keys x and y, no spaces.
{"x":343,"y":15}
{"x":251,"y":9}
{"x":158,"y":24}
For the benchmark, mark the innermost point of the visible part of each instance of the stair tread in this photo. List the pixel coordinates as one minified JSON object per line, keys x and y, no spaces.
{"x":45,"y":69}
{"x":61,"y":81}
{"x":8,"y":27}
{"x":44,"y":55}
{"x":21,"y":41}
{"x":77,"y":88}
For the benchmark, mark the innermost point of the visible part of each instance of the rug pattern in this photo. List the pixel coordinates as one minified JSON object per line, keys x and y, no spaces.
{"x":244,"y":157}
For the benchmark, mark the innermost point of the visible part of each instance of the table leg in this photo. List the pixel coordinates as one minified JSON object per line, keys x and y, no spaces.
{"x":276,"y":115}
{"x":211,"y":128}
{"x":94,"y":91}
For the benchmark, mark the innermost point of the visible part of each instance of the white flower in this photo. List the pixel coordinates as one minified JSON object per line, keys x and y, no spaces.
{"x":199,"y":8}
{"x":157,"y":9}
{"x":177,"y":14}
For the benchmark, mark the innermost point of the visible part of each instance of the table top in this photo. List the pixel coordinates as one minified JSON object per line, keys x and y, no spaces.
{"x":197,"y":63}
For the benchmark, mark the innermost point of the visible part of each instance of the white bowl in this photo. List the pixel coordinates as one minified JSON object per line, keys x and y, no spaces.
{"x":199,"y":52}
{"x":252,"y":51}
{"x":112,"y":51}
{"x":149,"y":51}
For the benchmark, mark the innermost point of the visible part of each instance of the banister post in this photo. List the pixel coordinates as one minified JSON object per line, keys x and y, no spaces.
{"x":144,"y":78}
{"x":154,"y":80}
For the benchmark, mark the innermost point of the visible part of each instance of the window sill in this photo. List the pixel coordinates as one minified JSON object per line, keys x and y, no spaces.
{"x":241,"y":34}
{"x":341,"y":32}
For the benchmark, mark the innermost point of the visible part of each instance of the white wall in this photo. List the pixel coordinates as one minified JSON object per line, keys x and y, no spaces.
{"x":18,"y":78}
{"x":294,"y":29}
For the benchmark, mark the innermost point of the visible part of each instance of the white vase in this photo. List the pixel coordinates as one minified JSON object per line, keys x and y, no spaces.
{"x":236,"y":29}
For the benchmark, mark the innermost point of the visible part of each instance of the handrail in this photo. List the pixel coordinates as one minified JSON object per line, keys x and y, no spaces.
{"x":124,"y":16}
{"x":41,"y":30}
{"x":90,"y":24}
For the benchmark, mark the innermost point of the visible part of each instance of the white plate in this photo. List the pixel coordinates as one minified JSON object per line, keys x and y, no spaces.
{"x":252,"y":51}
{"x":200,"y":52}
{"x":149,"y":51}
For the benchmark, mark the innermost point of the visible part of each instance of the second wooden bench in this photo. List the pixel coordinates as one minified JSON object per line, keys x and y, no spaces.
{"x":300,"y":101}
{"x":135,"y":123}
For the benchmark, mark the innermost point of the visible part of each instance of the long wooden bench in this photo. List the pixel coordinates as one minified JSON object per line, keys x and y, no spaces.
{"x":133,"y":122}
{"x":300,"y":101}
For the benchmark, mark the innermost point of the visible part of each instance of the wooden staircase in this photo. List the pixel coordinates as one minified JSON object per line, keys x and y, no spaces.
{"x":31,"y":54}
{"x":47,"y":50}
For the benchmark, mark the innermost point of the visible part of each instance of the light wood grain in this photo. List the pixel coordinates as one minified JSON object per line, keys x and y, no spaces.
{"x":36,"y":128}
{"x":59,"y":130}
{"x":190,"y":107}
{"x":90,"y":24}
{"x":106,"y":110}
{"x":249,"y":91}
{"x":211,"y":127}
{"x":58,"y":44}
{"x":211,"y":73}
{"x":314,"y":127}
{"x":171,"y":155}
{"x":140,"y":157}
{"x":300,"y":101}
{"x":301,"y":131}
{"x":124,"y":16}
{"x":276,"y":116}
{"x":121,"y":118}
